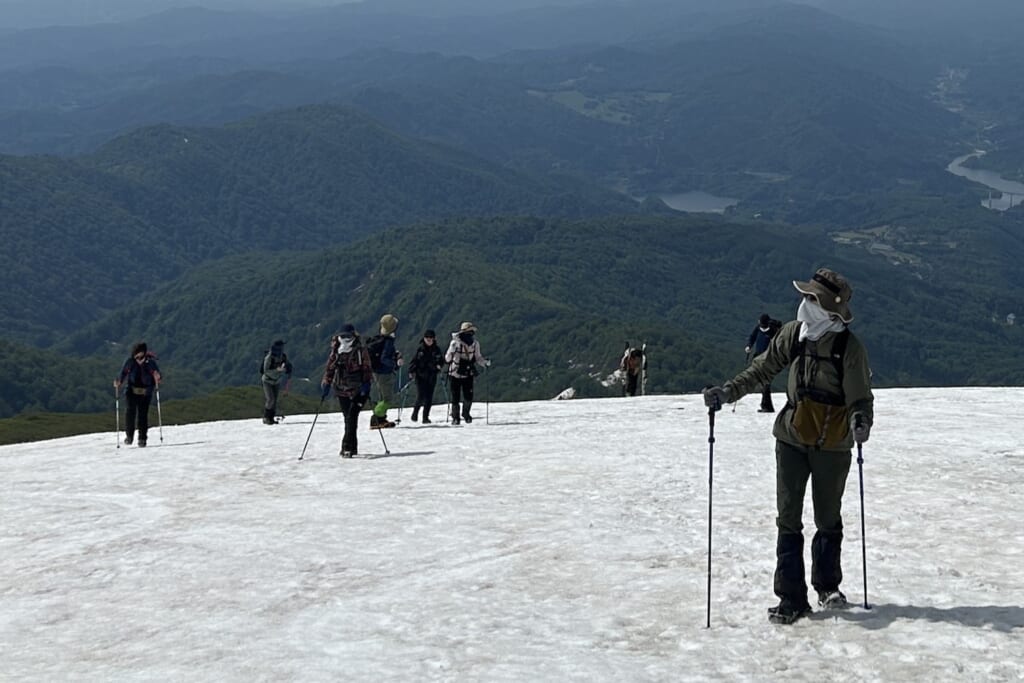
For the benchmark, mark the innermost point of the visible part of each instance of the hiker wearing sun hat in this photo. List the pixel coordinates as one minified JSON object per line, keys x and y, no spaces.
{"x":463,"y":356}
{"x":385,"y":359}
{"x":829,"y":406}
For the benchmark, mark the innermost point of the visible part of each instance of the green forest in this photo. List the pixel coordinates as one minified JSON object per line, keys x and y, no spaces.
{"x":210,"y":205}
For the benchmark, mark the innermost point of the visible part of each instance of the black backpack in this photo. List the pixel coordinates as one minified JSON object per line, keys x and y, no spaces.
{"x":374,"y":348}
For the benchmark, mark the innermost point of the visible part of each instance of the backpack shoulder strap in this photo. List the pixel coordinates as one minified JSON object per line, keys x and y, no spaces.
{"x":838,"y":350}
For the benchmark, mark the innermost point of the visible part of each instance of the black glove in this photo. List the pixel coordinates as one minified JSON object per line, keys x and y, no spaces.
{"x":861,"y":430}
{"x":325,"y":389}
{"x":716,"y":397}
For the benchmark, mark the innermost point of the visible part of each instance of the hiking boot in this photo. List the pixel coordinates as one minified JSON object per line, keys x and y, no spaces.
{"x":142,"y":442}
{"x":347,"y":453}
{"x":455,"y":421}
{"x":426,"y":420}
{"x":832,"y":599}
{"x":467,"y":418}
{"x":787,"y":612}
{"x":415,"y":414}
{"x":766,"y":410}
{"x":128,"y":441}
{"x":383,"y":423}
{"x":269,"y":421}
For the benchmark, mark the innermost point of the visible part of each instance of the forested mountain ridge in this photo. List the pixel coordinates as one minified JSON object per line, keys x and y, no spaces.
{"x":85,"y":235}
{"x":555,"y":299}
{"x":834,"y":136}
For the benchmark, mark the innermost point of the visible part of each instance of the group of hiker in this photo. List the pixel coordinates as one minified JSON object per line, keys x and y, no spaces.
{"x":829,"y":408}
{"x":358,"y":367}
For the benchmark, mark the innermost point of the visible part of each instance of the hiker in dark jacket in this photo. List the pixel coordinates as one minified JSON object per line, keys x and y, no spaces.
{"x":762,"y":334}
{"x":829,"y":406}
{"x":423,"y":368}
{"x":387,"y":361}
{"x":348,"y":373}
{"x":462,"y":356}
{"x":276,"y":367}
{"x":141,"y":377}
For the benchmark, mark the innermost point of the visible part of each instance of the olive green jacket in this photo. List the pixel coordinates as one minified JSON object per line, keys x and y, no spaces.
{"x":819,"y":373}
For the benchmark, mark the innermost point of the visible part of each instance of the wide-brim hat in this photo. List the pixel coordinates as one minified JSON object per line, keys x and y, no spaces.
{"x":388,"y":323}
{"x":831,"y":290}
{"x":467,"y":327}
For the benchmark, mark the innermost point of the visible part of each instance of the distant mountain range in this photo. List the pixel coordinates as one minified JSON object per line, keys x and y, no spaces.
{"x":88,"y":234}
{"x":225,"y":178}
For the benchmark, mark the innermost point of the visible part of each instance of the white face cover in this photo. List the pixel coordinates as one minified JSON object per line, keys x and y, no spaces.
{"x":816,"y":320}
{"x":344,"y":344}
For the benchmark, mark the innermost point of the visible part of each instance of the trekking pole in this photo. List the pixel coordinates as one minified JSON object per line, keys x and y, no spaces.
{"x":401,"y":405}
{"x":159,"y":415}
{"x":863,"y":542}
{"x":381,"y":432}
{"x":404,"y":392}
{"x":624,"y":365}
{"x":487,"y":397}
{"x":117,"y":416}
{"x":711,"y":465}
{"x":447,"y":402}
{"x":315,"y":416}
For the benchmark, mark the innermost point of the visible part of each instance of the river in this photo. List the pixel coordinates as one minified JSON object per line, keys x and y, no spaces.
{"x":1011,"y":193}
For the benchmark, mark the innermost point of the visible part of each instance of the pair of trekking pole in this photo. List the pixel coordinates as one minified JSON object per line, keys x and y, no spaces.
{"x":316,"y":415}
{"x":117,"y":416}
{"x":712,"y":409}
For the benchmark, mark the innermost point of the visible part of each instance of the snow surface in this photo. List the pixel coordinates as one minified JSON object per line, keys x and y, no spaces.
{"x":550,"y":540}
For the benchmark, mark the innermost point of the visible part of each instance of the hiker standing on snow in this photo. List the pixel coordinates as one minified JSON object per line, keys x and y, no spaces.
{"x":829,"y":406}
{"x":762,"y":334}
{"x":632,"y":363}
{"x":423,"y":369}
{"x":385,"y":360}
{"x":348,"y":373}
{"x":141,"y":377}
{"x":276,"y":367}
{"x":463,"y":356}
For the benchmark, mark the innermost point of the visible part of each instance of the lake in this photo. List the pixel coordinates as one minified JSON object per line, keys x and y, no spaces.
{"x":698,"y":202}
{"x":1011,"y":192}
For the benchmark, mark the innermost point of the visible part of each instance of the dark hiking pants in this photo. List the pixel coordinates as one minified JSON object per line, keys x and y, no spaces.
{"x":270,"y":394}
{"x":350,"y":408}
{"x":631,"y":382}
{"x":425,"y":385}
{"x":137,"y":411}
{"x":463,"y":386}
{"x":827,"y":471}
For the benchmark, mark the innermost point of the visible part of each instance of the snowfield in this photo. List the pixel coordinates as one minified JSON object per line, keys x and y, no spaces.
{"x":549,"y":540}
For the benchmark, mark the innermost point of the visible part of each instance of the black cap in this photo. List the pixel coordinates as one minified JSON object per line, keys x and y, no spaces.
{"x":347,"y":330}
{"x":764,"y":319}
{"x":429,"y":333}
